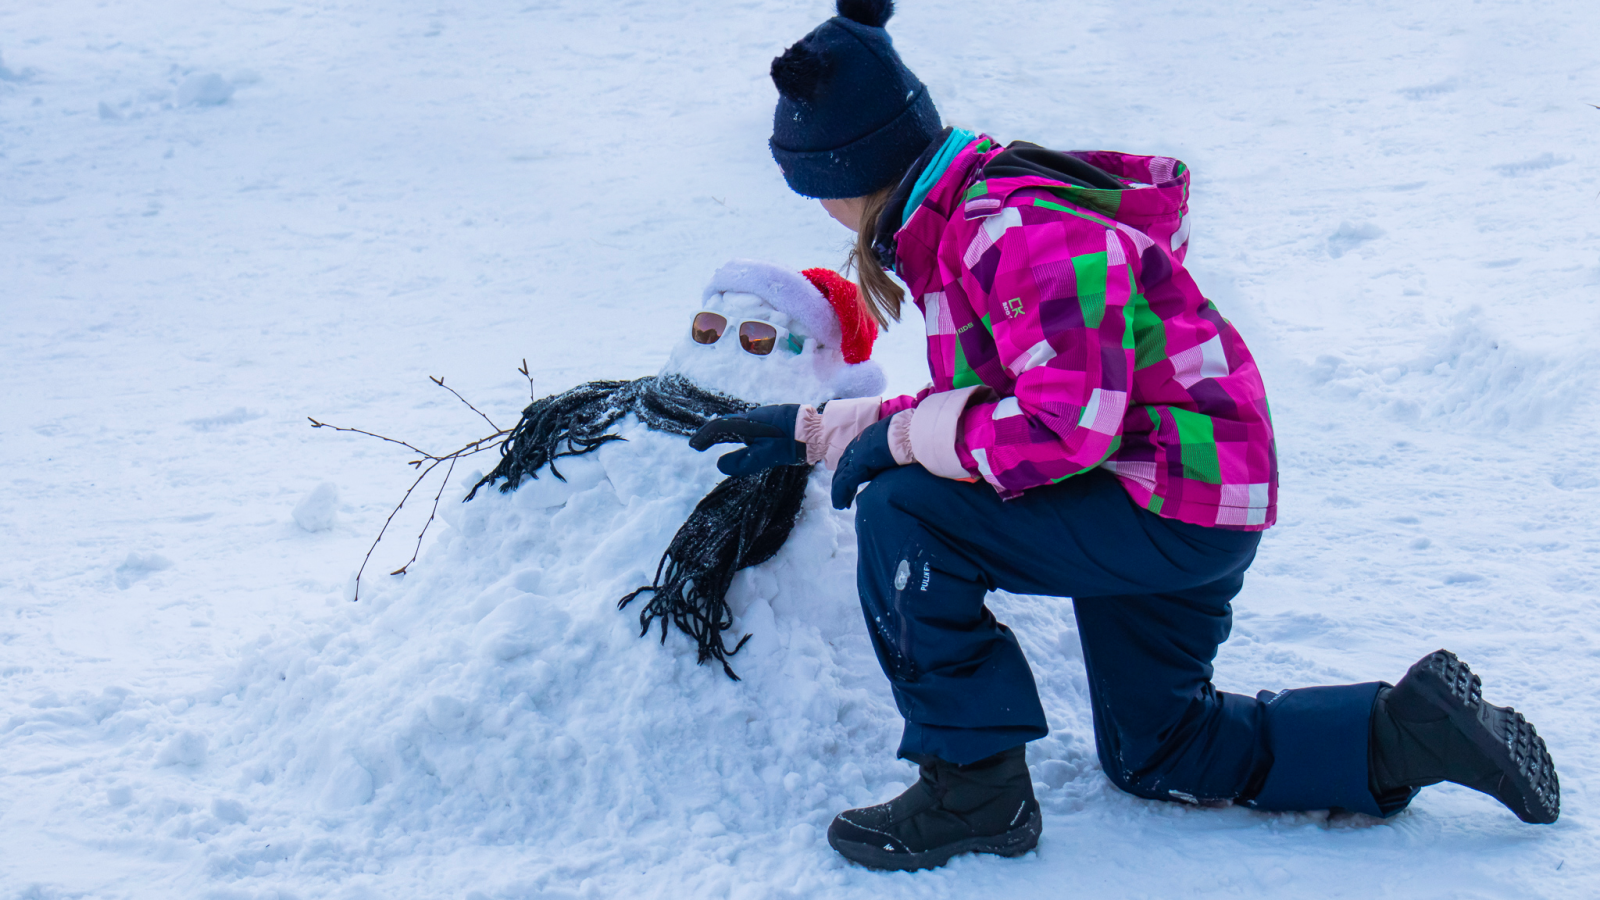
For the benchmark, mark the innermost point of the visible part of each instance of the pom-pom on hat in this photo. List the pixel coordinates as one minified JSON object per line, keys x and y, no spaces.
{"x":823,"y":305}
{"x":851,"y":117}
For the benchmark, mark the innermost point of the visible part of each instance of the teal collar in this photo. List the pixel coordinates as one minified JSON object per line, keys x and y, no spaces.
{"x":958,"y":139}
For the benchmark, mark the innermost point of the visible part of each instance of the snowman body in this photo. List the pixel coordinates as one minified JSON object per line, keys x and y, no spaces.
{"x":637,"y":491}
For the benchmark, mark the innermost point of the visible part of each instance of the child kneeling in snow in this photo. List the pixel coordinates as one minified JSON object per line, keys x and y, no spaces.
{"x":1095,"y":430}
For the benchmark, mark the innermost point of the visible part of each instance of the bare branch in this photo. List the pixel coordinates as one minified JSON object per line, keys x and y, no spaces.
{"x":397,"y":507}
{"x":434,"y":512}
{"x":440,"y":383}
{"x":316,"y":424}
{"x":425,"y":465}
{"x":532,"y":395}
{"x":476,"y":446}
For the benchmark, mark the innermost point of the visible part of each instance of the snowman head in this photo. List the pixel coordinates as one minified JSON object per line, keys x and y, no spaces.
{"x":815,"y":332}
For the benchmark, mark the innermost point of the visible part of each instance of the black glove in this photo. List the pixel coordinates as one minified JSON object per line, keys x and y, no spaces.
{"x":866,"y":458}
{"x":767,"y":433}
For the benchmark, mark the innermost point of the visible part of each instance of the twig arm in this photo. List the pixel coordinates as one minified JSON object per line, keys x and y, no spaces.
{"x":440,"y":383}
{"x":386,"y":522}
{"x":532,"y":394}
{"x":434,"y":512}
{"x":417,"y":450}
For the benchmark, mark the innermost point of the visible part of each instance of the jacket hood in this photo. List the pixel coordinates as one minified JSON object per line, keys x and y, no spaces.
{"x":1021,"y":159}
{"x":1147,"y":193}
{"x":1150,"y":193}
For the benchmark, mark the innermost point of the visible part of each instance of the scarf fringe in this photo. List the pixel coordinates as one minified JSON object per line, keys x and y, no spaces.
{"x":743,"y":522}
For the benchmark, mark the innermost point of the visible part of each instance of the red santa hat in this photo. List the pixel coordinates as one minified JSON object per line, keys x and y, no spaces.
{"x":823,"y":305}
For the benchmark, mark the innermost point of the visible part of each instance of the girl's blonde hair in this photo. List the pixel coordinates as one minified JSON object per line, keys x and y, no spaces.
{"x":881,"y":294}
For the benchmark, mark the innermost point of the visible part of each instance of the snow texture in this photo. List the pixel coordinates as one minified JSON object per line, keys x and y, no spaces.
{"x":222,"y":218}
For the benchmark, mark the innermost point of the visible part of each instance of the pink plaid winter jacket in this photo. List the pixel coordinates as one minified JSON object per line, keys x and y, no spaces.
{"x":1064,"y":334}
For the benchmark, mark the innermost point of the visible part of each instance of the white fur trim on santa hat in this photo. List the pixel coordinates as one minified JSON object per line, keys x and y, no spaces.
{"x":864,"y":379}
{"x":787,"y":291}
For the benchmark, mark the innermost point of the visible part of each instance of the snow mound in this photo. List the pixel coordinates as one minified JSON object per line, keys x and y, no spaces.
{"x":204,"y":89}
{"x":139,"y":566}
{"x":1470,"y":379}
{"x":319,"y":509}
{"x":1349,"y":236}
{"x":497,"y":696}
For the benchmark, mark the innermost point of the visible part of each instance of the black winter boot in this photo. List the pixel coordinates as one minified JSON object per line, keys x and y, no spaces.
{"x":1434,"y":726}
{"x":982,"y":807}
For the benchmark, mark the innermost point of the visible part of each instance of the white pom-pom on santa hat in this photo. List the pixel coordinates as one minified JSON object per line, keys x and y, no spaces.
{"x":823,"y":306}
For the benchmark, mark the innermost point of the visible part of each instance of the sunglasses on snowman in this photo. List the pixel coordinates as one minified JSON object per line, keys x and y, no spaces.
{"x":755,"y":336}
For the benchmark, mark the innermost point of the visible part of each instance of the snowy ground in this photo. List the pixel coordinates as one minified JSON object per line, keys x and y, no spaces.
{"x":221,"y":218}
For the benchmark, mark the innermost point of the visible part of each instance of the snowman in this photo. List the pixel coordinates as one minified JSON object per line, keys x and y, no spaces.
{"x":496,"y":699}
{"x":759,"y":334}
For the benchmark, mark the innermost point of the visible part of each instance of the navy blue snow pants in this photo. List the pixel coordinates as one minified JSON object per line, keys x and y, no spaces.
{"x":1152,"y":599}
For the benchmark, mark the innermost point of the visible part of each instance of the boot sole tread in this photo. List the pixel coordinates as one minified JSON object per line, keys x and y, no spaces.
{"x":1528,"y":784}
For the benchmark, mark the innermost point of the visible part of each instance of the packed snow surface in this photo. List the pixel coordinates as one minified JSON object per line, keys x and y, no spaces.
{"x":220,"y":219}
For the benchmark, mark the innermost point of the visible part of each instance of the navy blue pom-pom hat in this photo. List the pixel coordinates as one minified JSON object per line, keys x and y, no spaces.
{"x":851,"y":117}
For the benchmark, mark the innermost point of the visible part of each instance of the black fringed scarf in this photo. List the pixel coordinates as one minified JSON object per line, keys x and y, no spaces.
{"x":743,"y":522}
